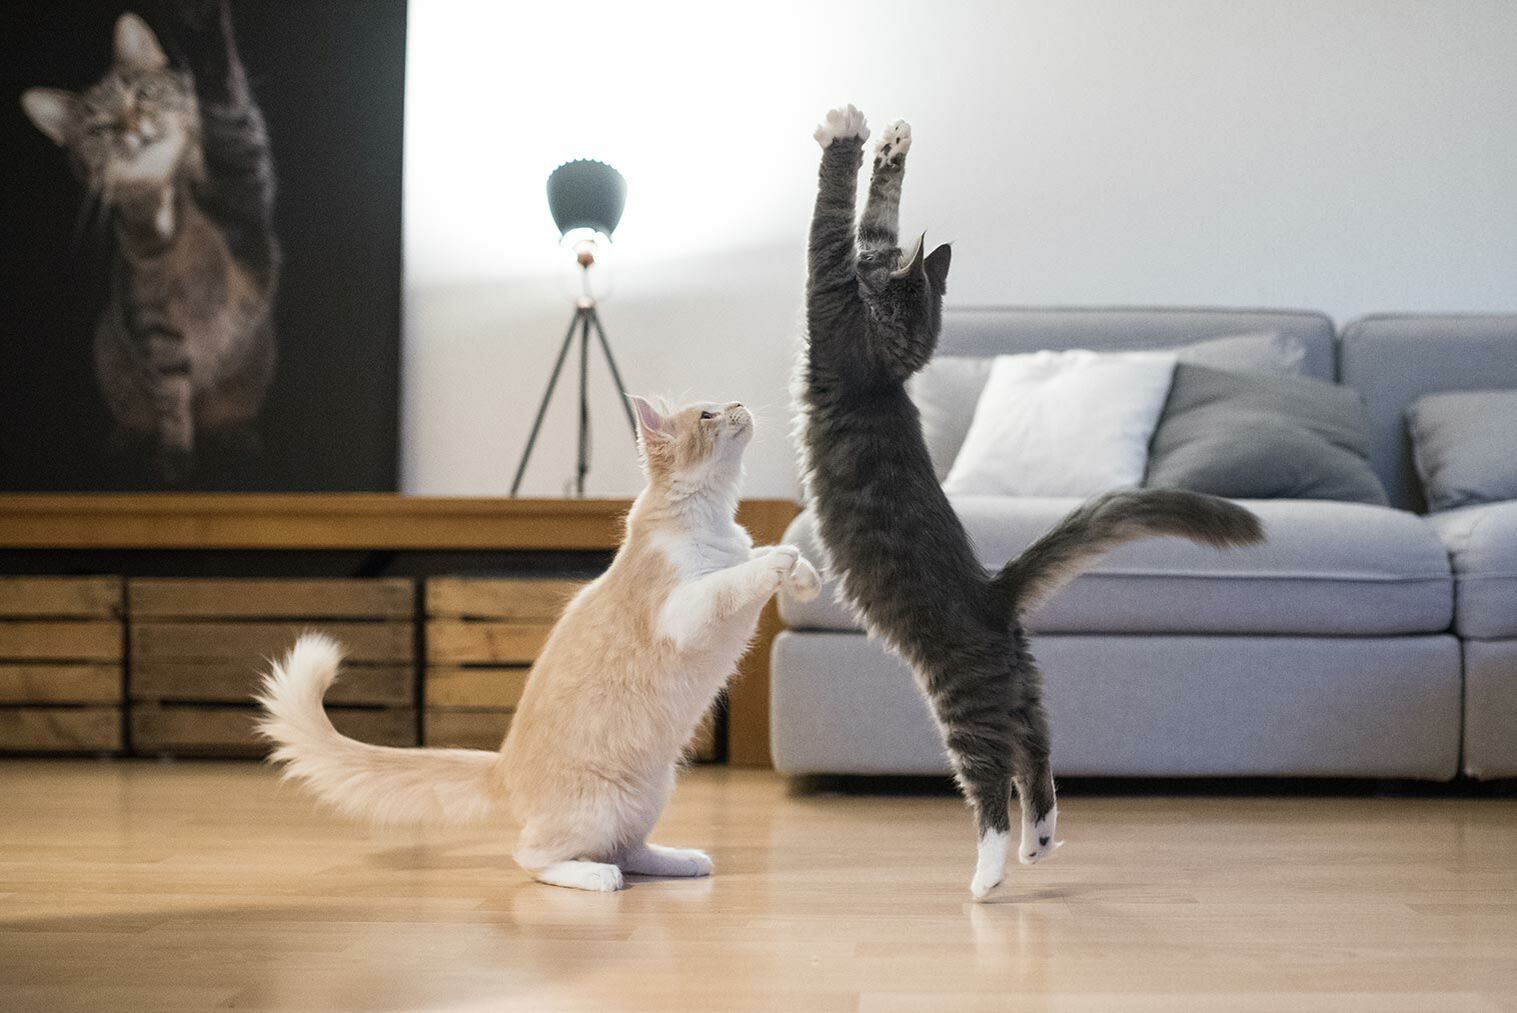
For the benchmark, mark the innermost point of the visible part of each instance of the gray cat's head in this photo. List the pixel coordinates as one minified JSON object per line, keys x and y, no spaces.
{"x":137,"y":128}
{"x":906,"y":297}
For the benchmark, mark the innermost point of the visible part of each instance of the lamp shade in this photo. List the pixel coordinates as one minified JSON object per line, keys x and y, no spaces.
{"x":585,"y":194}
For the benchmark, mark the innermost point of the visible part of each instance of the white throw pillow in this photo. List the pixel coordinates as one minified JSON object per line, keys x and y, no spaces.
{"x":1063,"y":424}
{"x":948,"y":387}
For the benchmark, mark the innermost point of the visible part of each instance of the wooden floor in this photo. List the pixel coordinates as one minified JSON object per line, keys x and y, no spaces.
{"x":194,"y":886}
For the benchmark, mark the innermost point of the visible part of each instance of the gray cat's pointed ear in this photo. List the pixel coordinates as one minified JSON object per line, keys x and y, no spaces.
{"x":136,"y":45}
{"x":53,"y":110}
{"x":937,"y":268}
{"x":651,"y":425}
{"x":913,"y":263}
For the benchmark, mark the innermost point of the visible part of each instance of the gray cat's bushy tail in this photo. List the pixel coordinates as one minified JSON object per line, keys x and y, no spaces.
{"x":380,"y":784}
{"x":1107,"y":521}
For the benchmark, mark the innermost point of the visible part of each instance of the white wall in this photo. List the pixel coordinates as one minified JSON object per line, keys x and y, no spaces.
{"x":1344,"y":156}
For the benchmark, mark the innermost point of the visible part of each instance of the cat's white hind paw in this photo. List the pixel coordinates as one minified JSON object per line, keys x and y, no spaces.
{"x":990,"y":864}
{"x":1038,"y":838}
{"x":657,"y":860}
{"x":598,"y":877}
{"x":893,"y":144}
{"x":842,"y":124}
{"x":803,"y":583}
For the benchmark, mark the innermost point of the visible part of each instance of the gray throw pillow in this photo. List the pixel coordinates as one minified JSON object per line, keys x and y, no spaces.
{"x":1262,"y":436}
{"x":1464,"y":444}
{"x":948,"y":388}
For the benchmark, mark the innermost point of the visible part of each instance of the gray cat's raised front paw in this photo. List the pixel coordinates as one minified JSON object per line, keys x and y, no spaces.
{"x":893,"y":144}
{"x":842,"y":124}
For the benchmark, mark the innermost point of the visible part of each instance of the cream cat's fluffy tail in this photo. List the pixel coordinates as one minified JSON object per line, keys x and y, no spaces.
{"x":381,"y":784}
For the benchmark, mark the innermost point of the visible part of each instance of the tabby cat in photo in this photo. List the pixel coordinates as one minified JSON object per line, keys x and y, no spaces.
{"x":179,"y":159}
{"x":894,"y":542}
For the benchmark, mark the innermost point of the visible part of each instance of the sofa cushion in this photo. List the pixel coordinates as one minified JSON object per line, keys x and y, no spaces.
{"x":947,"y":390}
{"x":1259,"y":436}
{"x":1482,"y":544}
{"x":1325,"y":569}
{"x":1462,"y":445}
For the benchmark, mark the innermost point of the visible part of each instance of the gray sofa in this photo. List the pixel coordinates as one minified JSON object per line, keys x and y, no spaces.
{"x":1360,"y":641}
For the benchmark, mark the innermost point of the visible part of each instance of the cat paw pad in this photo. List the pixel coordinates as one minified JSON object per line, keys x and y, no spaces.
{"x":893,"y":144}
{"x":842,"y":124}
{"x":803,"y":583}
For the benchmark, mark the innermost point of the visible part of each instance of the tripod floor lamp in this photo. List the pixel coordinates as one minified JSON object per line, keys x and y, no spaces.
{"x":586,"y":199}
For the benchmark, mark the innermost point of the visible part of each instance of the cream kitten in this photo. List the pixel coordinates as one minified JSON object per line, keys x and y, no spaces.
{"x":633,"y":663}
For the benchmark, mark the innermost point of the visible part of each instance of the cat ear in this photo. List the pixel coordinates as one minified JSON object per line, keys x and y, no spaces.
{"x":52,"y":110}
{"x":913,"y":263}
{"x":937,"y":267}
{"x":136,"y":45}
{"x":650,"y":424}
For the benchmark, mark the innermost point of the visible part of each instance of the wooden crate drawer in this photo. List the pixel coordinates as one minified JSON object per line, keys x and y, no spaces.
{"x":61,"y":640}
{"x":529,"y":601}
{"x":248,"y":643}
{"x":481,"y":728}
{"x":468,"y":688}
{"x":459,"y":642}
{"x":60,"y":729}
{"x":307,"y":600}
{"x":228,"y":731}
{"x":59,"y":684}
{"x":60,"y":597}
{"x":236,"y":682}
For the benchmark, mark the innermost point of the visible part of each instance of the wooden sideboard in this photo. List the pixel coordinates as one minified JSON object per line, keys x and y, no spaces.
{"x":39,"y":525}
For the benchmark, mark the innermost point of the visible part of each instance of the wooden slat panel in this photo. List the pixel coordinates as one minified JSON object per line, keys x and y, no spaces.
{"x":228,"y":731}
{"x":310,"y":600}
{"x":40,"y":640}
{"x":748,"y":694}
{"x":469,"y":688}
{"x":60,"y":597}
{"x":513,"y":600}
{"x":476,"y":729}
{"x":60,"y":729}
{"x":236,"y":682}
{"x":452,"y":641}
{"x":251,"y":643}
{"x":32,"y":684}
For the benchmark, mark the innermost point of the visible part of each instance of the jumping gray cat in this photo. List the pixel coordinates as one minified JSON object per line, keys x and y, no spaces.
{"x":180,"y":159}
{"x":895,"y":543}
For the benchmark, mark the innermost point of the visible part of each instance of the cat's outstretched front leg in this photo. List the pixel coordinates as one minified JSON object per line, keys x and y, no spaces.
{"x":879,"y":228}
{"x":831,"y":250}
{"x":802,"y":583}
{"x":696,"y":606}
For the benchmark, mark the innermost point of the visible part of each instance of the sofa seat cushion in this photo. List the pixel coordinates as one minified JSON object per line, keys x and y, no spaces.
{"x":1329,"y":569}
{"x":1482,"y":543}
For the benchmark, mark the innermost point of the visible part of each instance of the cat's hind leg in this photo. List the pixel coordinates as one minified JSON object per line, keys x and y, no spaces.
{"x":980,"y":752}
{"x":554,"y":856}
{"x":1040,"y":814}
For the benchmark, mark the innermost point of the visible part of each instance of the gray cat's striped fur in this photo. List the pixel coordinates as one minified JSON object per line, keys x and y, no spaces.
{"x":895,"y":544}
{"x":180,"y":159}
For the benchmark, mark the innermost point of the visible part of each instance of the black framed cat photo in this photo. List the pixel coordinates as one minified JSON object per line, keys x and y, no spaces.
{"x":200,"y":245}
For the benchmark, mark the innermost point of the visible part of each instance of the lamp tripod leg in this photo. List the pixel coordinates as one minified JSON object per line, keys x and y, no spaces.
{"x":616,"y":375}
{"x":542,"y":409}
{"x":584,"y":403}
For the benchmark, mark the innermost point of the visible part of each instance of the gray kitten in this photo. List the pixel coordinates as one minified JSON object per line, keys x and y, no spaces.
{"x":185,"y":342}
{"x":895,"y":543}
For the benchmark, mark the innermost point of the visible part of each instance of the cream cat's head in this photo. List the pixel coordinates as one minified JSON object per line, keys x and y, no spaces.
{"x":694,"y":449}
{"x":137,"y":128}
